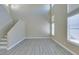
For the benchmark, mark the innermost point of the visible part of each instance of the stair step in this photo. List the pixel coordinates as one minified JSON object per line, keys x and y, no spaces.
{"x":3,"y":43}
{"x":3,"y":40}
{"x":3,"y":47}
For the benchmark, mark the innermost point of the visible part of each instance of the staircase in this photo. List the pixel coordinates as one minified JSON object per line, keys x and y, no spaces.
{"x":6,"y":24}
{"x":11,"y":32}
{"x":3,"y":39}
{"x":3,"y":42}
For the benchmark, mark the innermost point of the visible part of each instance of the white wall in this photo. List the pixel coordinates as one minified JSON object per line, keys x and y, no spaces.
{"x":4,"y":16}
{"x":5,"y":20}
{"x":36,"y":19}
{"x":37,"y":26}
{"x":60,"y":18}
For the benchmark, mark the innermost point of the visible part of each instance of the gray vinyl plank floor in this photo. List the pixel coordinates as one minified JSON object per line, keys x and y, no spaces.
{"x":36,"y":47}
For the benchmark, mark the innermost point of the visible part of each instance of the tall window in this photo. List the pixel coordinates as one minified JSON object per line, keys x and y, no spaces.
{"x":73,"y":28}
{"x":53,"y":25}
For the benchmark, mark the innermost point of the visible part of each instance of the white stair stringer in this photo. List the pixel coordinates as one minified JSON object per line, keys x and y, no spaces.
{"x":16,"y":34}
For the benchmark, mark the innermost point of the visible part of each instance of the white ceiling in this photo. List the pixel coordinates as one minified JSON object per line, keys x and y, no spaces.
{"x":24,"y":10}
{"x":28,"y":8}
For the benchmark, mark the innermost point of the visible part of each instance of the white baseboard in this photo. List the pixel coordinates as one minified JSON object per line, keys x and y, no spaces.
{"x":14,"y":44}
{"x":74,"y":42}
{"x":64,"y":47}
{"x":37,"y":37}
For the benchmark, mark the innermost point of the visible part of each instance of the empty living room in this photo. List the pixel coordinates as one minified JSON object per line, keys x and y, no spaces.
{"x":39,"y":29}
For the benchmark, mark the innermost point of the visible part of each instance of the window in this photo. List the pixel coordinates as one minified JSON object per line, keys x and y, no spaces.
{"x":53,"y":25}
{"x":73,"y":28}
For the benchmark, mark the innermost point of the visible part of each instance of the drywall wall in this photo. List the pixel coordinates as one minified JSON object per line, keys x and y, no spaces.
{"x":36,"y":19}
{"x":13,"y":13}
{"x":60,"y":12}
{"x":16,"y":34}
{"x":37,"y":26}
{"x":5,"y":20}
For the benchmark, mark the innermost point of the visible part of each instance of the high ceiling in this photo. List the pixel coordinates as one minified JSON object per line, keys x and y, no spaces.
{"x":30,"y":8}
{"x":24,"y":10}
